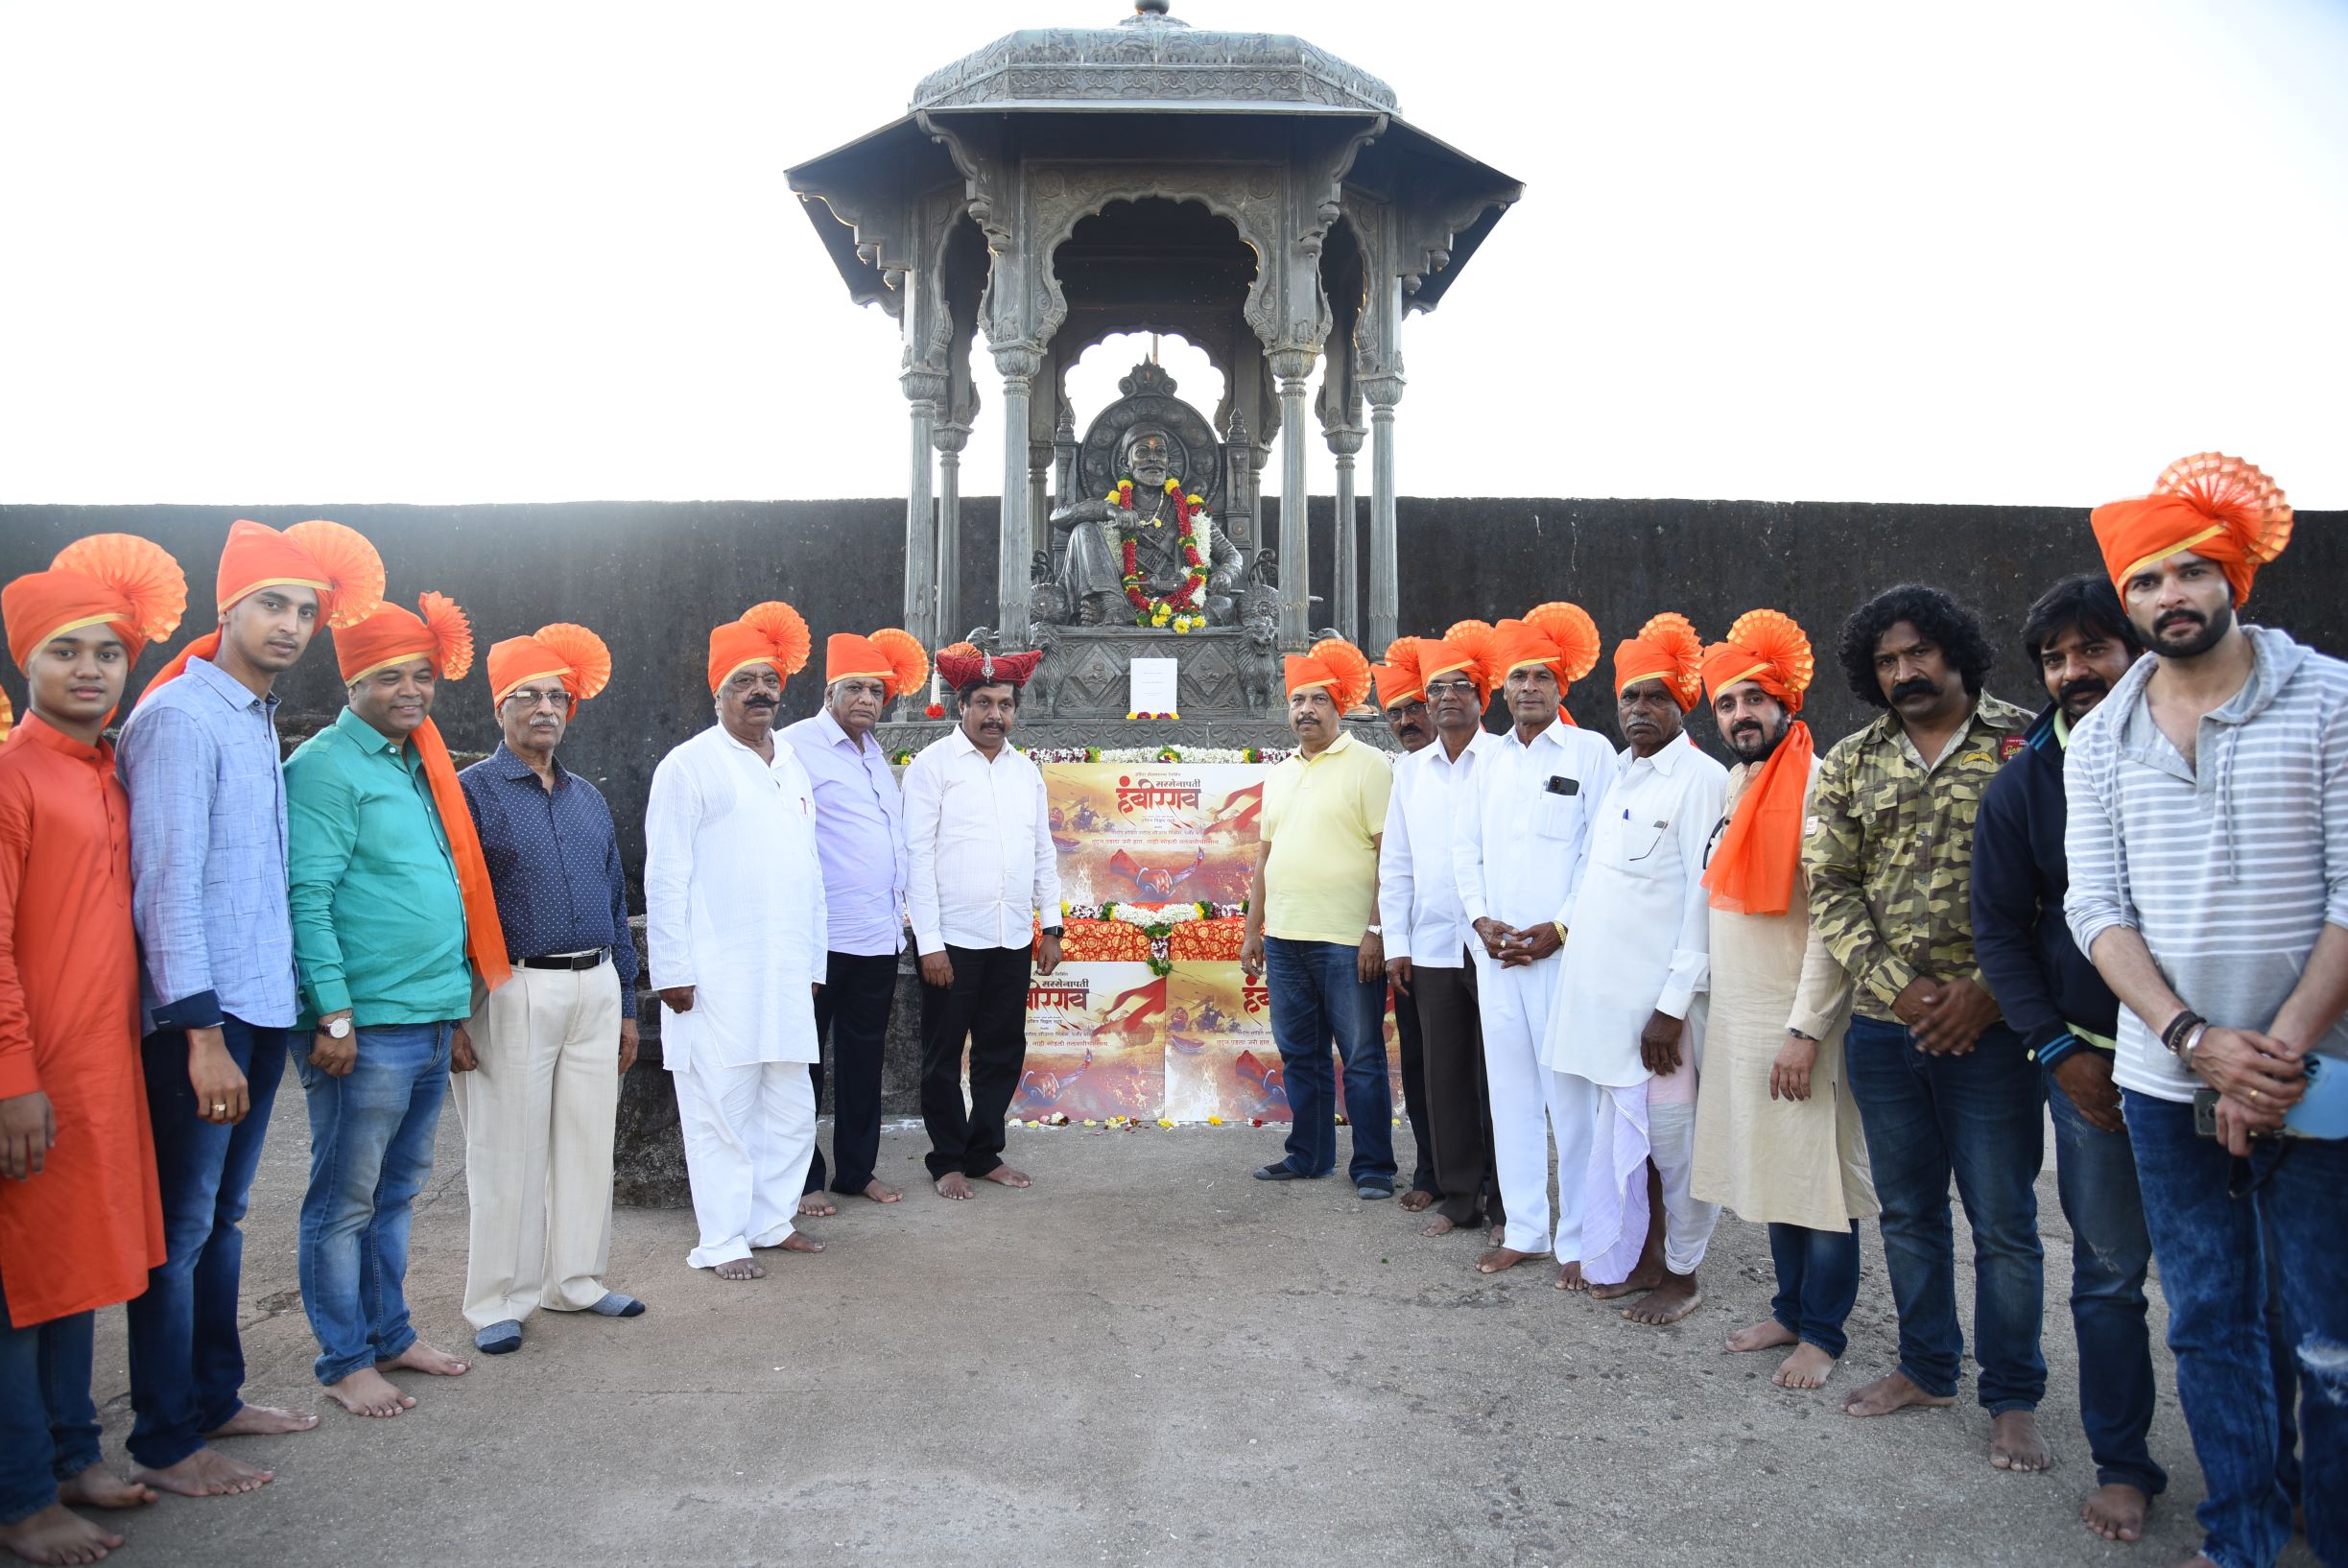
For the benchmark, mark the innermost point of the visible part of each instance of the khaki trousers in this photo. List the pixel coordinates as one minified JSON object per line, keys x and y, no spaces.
{"x":540,"y":1115}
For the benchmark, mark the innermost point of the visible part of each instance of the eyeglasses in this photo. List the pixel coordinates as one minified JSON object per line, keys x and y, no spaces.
{"x":1436,"y":689}
{"x":559,"y":697}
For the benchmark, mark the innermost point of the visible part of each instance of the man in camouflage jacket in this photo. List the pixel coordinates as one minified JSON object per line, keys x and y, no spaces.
{"x":1943,"y":1085}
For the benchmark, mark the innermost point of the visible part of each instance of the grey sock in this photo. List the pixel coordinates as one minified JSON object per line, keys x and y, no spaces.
{"x":499,"y":1337}
{"x":615,"y":1305}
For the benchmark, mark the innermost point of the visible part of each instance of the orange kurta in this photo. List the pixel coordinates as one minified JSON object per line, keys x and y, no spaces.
{"x":85,"y":1233}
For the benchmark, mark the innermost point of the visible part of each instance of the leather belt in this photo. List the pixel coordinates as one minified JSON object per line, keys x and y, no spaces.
{"x":568,"y":960}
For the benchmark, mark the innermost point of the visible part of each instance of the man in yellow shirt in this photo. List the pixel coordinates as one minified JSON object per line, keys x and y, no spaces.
{"x":1312,"y":925}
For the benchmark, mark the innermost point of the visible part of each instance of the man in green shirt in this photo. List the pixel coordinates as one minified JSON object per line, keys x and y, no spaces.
{"x":380,"y":940}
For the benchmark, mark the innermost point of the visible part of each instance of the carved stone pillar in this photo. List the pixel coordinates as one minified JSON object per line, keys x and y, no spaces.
{"x":1345,"y":441}
{"x":1295,"y":368}
{"x":1384,"y":393}
{"x":923,"y":389}
{"x":1018,"y":364}
{"x":950,"y":437}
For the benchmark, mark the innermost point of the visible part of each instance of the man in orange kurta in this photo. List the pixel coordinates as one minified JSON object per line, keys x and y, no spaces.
{"x":80,"y":1220}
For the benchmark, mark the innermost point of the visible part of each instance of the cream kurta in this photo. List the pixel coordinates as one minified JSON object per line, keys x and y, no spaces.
{"x":1777,"y":1161}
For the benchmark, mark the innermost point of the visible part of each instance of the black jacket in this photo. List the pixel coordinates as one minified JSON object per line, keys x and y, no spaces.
{"x":2042,"y":981}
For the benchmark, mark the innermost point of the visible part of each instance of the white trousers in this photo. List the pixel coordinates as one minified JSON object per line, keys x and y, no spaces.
{"x":539,"y":1116}
{"x":749,"y":1134}
{"x":1528,"y":1103}
{"x":1687,"y":1222}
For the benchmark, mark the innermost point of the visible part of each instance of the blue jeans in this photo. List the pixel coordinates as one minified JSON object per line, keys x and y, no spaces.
{"x":187,"y":1363}
{"x":2222,"y":1260}
{"x":1980,"y":1118}
{"x":2095,"y":1173}
{"x":1817,"y":1279}
{"x":1317,"y":993}
{"x":370,"y":1150}
{"x":48,"y":1426}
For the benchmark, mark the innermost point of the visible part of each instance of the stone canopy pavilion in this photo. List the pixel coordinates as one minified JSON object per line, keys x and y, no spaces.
{"x":1248,"y":192}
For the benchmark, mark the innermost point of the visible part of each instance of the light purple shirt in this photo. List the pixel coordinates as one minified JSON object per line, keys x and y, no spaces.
{"x":860,"y":835}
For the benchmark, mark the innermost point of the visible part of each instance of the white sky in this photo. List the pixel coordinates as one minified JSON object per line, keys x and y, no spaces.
{"x":2020,"y":250}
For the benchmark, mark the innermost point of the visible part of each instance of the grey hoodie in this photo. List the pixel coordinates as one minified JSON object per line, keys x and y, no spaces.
{"x":2230,"y":870}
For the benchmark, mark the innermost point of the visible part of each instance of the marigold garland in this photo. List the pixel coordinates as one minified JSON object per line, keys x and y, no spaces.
{"x":1180,"y":609}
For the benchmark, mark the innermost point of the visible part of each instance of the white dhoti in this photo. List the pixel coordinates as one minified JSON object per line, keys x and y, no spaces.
{"x":539,"y":1116}
{"x":1688,"y":1222}
{"x":749,"y":1134}
{"x":1528,"y":1103}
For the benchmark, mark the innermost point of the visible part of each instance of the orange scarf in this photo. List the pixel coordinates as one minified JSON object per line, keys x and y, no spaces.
{"x":1759,"y":857}
{"x":485,"y":939}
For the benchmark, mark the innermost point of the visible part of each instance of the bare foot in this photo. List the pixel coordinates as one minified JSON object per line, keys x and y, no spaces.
{"x":1417,"y":1201}
{"x":207,"y":1472}
{"x":57,"y":1535}
{"x":1437,"y":1225}
{"x":1668,"y":1302}
{"x":816,"y":1205}
{"x":264,"y":1421}
{"x":2014,"y":1443}
{"x":1890,"y":1392}
{"x":368,"y":1393}
{"x":796,"y":1243}
{"x":1503,"y":1257}
{"x":1807,"y":1368}
{"x":1005,"y":1176}
{"x":1645,"y":1277}
{"x":880,"y":1192}
{"x":1766,"y":1335}
{"x":740,"y":1269}
{"x":98,"y":1488}
{"x":954,"y":1185}
{"x":2116,"y":1512}
{"x":1570,"y":1277}
{"x":420,"y":1357}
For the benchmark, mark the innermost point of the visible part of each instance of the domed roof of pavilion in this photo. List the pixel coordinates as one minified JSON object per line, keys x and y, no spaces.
{"x":1154,"y":61}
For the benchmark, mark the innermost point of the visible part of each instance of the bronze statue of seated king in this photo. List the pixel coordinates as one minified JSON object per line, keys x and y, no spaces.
{"x":1147,"y":553}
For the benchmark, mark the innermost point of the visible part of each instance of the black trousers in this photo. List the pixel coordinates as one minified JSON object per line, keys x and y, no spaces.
{"x":852,"y":1010}
{"x":1459,"y":1104}
{"x":987,"y":1007}
{"x":1413,"y":1042}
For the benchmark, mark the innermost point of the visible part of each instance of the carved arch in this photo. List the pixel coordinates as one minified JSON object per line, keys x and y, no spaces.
{"x":1246,"y":196}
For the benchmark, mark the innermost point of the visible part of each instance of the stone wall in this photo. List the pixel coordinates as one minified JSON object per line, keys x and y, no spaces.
{"x":652,"y":578}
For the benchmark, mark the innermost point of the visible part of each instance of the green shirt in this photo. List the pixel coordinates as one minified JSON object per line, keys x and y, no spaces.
{"x":1888,"y":850}
{"x":378,"y":923}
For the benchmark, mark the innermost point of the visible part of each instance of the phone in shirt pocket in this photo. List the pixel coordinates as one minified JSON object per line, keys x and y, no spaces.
{"x":1559,"y":812}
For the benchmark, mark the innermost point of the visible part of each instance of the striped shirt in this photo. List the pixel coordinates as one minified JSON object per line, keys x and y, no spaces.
{"x":2230,"y":869}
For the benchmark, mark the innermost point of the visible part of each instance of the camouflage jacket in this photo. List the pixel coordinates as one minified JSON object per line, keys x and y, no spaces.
{"x":1888,"y":850}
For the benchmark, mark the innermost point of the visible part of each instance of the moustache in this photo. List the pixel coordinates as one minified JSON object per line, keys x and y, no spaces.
{"x":1920,"y":686}
{"x":2084,"y":688}
{"x":2186,"y":617}
{"x":760,"y":702}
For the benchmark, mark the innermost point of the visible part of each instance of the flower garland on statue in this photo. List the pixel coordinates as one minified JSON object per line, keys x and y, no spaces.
{"x":1155,"y":753}
{"x":1181,"y":609}
{"x":1156,"y":923}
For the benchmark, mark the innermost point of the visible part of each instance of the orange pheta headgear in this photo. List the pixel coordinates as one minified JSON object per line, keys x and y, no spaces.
{"x":335,"y":560}
{"x":891,"y":655}
{"x":1759,"y":858}
{"x":1335,"y":663}
{"x":768,"y":633}
{"x":1400,"y":679}
{"x":2220,"y":507}
{"x":1558,"y":636}
{"x":1666,"y":648}
{"x":561,"y":652}
{"x":114,"y":580}
{"x":392,"y":636}
{"x":1467,"y":646}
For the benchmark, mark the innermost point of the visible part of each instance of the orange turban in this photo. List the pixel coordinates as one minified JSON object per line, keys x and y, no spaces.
{"x":891,"y":655}
{"x":570,"y":654}
{"x":1467,"y":646}
{"x":336,"y":560}
{"x":1558,"y":636}
{"x":1759,"y":853}
{"x":771,"y":632}
{"x":1333,"y":663}
{"x":1400,"y":679}
{"x":116,"y":580}
{"x":2220,"y":507}
{"x":1666,"y":648}
{"x":392,"y":636}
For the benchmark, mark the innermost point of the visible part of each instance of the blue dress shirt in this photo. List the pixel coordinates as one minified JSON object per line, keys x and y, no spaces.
{"x":859,"y":836}
{"x":554,"y":864}
{"x":200,"y":761}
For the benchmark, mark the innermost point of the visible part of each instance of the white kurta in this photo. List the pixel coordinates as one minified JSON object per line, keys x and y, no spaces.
{"x":733,"y":903}
{"x":1517,"y":854}
{"x":1640,"y":922}
{"x":1418,"y":887}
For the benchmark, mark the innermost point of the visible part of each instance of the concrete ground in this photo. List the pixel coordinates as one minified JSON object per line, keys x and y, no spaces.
{"x":1148,"y":1358}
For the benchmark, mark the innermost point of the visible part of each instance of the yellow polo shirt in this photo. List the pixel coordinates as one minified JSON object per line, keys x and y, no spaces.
{"x":1319,"y":818}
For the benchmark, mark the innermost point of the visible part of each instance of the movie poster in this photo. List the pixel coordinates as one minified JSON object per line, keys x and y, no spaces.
{"x":1220,"y":1055}
{"x":1154,"y":833}
{"x":1096,"y":1043}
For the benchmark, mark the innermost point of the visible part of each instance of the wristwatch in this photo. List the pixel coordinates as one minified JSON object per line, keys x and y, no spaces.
{"x":338,"y":1029}
{"x":1054,"y":931}
{"x":1374,"y":931}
